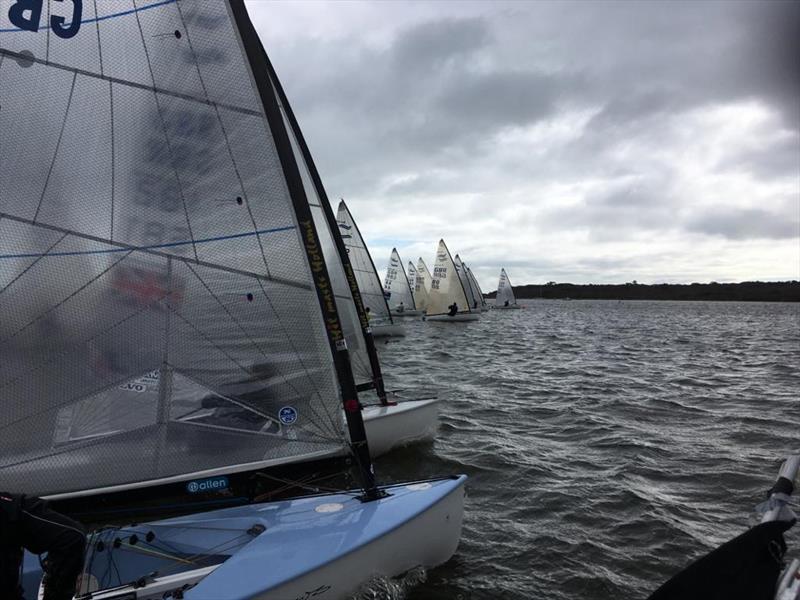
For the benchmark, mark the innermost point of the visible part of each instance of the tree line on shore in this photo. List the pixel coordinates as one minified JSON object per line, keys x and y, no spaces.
{"x":748,"y":291}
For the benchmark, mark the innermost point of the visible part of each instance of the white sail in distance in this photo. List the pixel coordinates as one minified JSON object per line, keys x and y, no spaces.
{"x":505,"y":293}
{"x":475,"y":286}
{"x":396,"y":284}
{"x":422,"y":285}
{"x":369,"y":284}
{"x":446,"y":286}
{"x":160,"y":316}
{"x":472,"y":296}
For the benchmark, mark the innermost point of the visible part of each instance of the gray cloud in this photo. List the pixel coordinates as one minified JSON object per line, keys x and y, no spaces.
{"x":743,"y":224}
{"x":508,"y":118}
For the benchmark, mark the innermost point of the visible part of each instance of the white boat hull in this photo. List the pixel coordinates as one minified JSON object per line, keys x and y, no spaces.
{"x":509,"y":307}
{"x":457,"y":318}
{"x":390,"y":427}
{"x":408,"y":313}
{"x":392,"y":330}
{"x":323,"y":547}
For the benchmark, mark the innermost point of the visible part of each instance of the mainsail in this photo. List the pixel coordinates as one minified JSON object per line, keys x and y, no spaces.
{"x":422,"y":284}
{"x":397,"y":285}
{"x":446,"y":286}
{"x":504,"y":291}
{"x":475,"y":286}
{"x":472,"y":295}
{"x":160,"y":280}
{"x":369,"y":284}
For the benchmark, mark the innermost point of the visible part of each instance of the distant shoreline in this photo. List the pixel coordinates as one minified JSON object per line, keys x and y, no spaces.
{"x":749,"y":291}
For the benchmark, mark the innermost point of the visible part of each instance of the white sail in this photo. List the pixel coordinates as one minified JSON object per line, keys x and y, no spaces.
{"x":369,"y":284}
{"x":152,"y":266}
{"x":422,"y":285}
{"x":446,"y":286}
{"x":396,"y":285}
{"x":505,"y":293}
{"x":475,"y":286}
{"x":472,"y":295}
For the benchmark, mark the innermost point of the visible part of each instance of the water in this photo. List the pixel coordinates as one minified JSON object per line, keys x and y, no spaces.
{"x":607,"y":443}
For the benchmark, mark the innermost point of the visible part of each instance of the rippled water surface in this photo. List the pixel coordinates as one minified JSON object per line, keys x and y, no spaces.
{"x":607,"y":442}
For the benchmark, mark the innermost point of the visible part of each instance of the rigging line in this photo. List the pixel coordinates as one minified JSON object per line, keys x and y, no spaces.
{"x":27,"y":58}
{"x":58,"y":146}
{"x":33,"y":264}
{"x":227,"y":140}
{"x":174,"y":165}
{"x":69,"y":297}
{"x":128,"y":248}
{"x":152,"y":250}
{"x":70,"y":400}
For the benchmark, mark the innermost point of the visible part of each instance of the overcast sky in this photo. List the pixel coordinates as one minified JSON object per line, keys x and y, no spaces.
{"x":567,"y":141}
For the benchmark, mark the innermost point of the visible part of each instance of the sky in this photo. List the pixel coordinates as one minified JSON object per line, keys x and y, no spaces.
{"x":572,"y":141}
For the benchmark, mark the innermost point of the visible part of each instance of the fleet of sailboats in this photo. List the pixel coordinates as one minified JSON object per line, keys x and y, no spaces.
{"x":397,"y":289}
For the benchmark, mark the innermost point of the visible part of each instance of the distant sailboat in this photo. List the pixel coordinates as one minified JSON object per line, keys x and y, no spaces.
{"x":167,"y":315}
{"x":477,"y":287}
{"x":448,"y":299}
{"x":472,"y":291}
{"x":369,"y":284}
{"x":398,"y":289}
{"x":422,"y":284}
{"x":505,"y":293}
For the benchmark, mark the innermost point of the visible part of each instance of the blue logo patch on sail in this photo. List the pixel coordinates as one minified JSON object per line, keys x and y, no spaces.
{"x":287,"y":415}
{"x":212,"y":484}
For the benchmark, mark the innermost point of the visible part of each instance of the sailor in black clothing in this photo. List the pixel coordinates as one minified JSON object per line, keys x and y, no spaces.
{"x":453,"y":309}
{"x":27,"y":523}
{"x":506,"y":303}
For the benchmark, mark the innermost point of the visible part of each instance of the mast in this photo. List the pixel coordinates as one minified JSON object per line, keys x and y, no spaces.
{"x":265,"y":79}
{"x":375,"y":365}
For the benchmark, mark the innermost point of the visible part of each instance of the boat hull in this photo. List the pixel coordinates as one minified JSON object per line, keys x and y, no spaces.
{"x":510,"y":307}
{"x":457,"y":318}
{"x":392,"y":330}
{"x":390,"y":427}
{"x":324,"y":547}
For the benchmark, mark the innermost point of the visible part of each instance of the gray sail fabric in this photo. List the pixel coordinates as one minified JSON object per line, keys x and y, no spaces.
{"x":422,"y":284}
{"x":446,"y":287}
{"x":345,"y":305}
{"x":476,"y":286}
{"x":369,"y":284}
{"x":504,"y":291}
{"x":396,"y":284}
{"x":157,"y":310}
{"x":462,"y":276}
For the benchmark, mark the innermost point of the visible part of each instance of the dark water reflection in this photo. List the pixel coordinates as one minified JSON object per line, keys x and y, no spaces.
{"x":607,"y":442}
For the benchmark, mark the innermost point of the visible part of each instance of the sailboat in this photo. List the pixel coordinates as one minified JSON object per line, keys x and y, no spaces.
{"x":476,"y":286}
{"x":505,"y":293}
{"x":422,"y":284}
{"x":392,"y":420}
{"x":448,"y":300}
{"x":398,"y":289}
{"x":472,"y":291}
{"x":167,"y":311}
{"x":369,"y":284}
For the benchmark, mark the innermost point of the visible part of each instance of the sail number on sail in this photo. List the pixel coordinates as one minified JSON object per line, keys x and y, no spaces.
{"x":27,"y":15}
